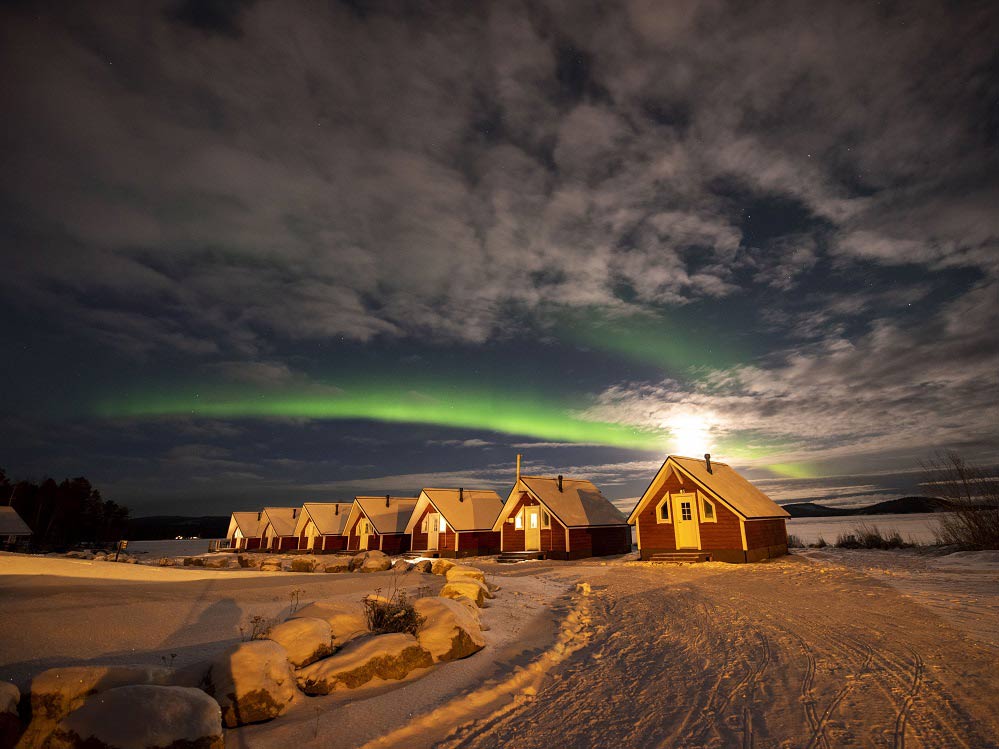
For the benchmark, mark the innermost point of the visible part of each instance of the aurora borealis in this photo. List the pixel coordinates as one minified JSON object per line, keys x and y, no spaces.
{"x":266,"y":253}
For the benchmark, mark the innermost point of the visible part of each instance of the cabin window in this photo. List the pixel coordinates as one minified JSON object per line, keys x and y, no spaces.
{"x":443,"y":525}
{"x":518,"y":522}
{"x":662,"y":510}
{"x":708,"y":511}
{"x":424,"y":526}
{"x":546,"y":519}
{"x":534,"y":520}
{"x":685,"y":513}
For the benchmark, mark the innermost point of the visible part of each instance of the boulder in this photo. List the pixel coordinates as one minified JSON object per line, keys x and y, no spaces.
{"x":441,"y":566}
{"x":141,"y":717}
{"x":390,"y":656}
{"x":336,"y":564}
{"x":270,"y":564}
{"x":361,"y":557}
{"x":303,"y":564}
{"x":249,"y":560}
{"x":57,"y":692}
{"x":401,"y":565}
{"x":461,"y":572}
{"x":375,"y":564}
{"x":220,"y":561}
{"x":424,"y":565}
{"x":10,"y":722}
{"x":167,"y":562}
{"x":450,"y":630}
{"x":306,"y":639}
{"x":346,"y":618}
{"x":252,"y":682}
{"x":468,"y":588}
{"x":194,"y":561}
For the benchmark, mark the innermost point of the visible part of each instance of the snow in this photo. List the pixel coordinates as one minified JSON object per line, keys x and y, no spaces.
{"x":305,"y":639}
{"x":917,"y":527}
{"x":389,"y":656}
{"x":450,"y":631}
{"x":252,"y":681}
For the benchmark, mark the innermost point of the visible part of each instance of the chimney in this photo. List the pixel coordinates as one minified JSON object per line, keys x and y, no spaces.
{"x":560,"y":482}
{"x":337,"y":510}
{"x":294,"y":513}
{"x":707,"y":461}
{"x":259,"y":515}
{"x":518,"y":466}
{"x":386,"y":500}
{"x":461,"y":494}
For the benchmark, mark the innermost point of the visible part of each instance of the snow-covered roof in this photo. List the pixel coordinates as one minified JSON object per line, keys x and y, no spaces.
{"x":248,"y":524}
{"x":463,"y":509}
{"x":387,"y":519}
{"x":578,"y":504}
{"x":281,"y":519}
{"x":722,"y":481}
{"x":11,"y":524}
{"x":330,"y":518}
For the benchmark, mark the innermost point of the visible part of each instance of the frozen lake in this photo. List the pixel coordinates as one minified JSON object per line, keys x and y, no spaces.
{"x":917,"y":527}
{"x":169,"y":548}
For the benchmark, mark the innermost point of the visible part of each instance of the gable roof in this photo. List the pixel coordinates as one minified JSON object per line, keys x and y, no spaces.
{"x":724,"y":482}
{"x":391,"y":519}
{"x":330,"y":518}
{"x":463,"y":509}
{"x":12,"y":524}
{"x":578,"y":505}
{"x":248,"y":524}
{"x":282,"y":520}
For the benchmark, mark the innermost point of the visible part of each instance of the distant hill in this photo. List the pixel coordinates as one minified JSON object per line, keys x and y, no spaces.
{"x":170,"y":526}
{"x":900,"y":506}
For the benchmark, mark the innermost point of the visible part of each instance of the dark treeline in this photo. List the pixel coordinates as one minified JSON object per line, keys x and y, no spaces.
{"x":66,"y":513}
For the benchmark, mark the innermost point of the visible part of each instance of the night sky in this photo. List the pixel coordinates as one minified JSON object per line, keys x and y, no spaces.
{"x":270,"y":252}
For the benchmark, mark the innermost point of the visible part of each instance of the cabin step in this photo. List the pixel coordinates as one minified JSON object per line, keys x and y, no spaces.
{"x":681,"y":557}
{"x":418,"y":554}
{"x":509,"y":557}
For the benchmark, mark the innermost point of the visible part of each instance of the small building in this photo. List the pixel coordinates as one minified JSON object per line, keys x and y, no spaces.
{"x":14,"y":532}
{"x":704,"y":510}
{"x":277,"y":528}
{"x":455,"y":523}
{"x":561,"y":518}
{"x":379,"y":523}
{"x":244,"y":531}
{"x":320,"y":526}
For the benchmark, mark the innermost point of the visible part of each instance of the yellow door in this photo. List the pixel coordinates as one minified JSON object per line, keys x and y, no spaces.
{"x":685,"y":521}
{"x":532,"y":524}
{"x":433,"y":530}
{"x":363,"y":531}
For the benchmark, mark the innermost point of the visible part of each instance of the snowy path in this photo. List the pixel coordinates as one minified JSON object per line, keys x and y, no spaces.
{"x":789,"y":654}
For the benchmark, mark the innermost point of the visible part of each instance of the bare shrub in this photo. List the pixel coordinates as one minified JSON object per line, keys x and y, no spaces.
{"x":255,"y":629}
{"x":820,"y":544}
{"x":871,"y":537}
{"x":973,"y":495}
{"x":394,"y":613}
{"x":794,"y":542}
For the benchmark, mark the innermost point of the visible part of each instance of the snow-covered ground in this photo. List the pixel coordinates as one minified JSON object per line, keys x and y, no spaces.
{"x":916,"y":527}
{"x":169,"y":548}
{"x":821,"y":648}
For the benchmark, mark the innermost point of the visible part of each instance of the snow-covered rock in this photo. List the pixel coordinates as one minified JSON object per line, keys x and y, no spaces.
{"x":401,"y":565}
{"x":336,"y":564}
{"x":10,"y":722}
{"x":10,"y":695}
{"x":424,"y":565}
{"x":252,"y":682}
{"x":303,"y":564}
{"x":468,"y":588}
{"x":375,"y":564}
{"x":249,"y":560}
{"x":441,"y":566}
{"x":59,"y":691}
{"x":221,"y":561}
{"x":306,"y":639}
{"x":358,"y":560}
{"x":167,"y":562}
{"x":142,"y":717}
{"x":390,"y":656}
{"x":450,"y":630}
{"x":461,"y":571}
{"x":270,"y":564}
{"x":346,"y":618}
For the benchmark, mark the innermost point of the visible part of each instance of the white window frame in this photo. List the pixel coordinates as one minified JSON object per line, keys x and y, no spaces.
{"x":659,"y":510}
{"x":700,"y":507}
{"x":518,"y":520}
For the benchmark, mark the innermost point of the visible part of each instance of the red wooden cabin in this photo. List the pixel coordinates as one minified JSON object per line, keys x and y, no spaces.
{"x":320,"y":526}
{"x":244,"y":531}
{"x":277,"y":528}
{"x":455,"y":523}
{"x":379,"y":523}
{"x":562,"y":519}
{"x":704,"y":510}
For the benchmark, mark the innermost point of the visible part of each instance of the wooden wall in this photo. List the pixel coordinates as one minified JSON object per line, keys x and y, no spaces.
{"x":552,"y":539}
{"x":654,"y":536}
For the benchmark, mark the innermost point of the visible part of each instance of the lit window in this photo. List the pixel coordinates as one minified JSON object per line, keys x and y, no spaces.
{"x":518,"y":522}
{"x":709,"y":510}
{"x":534,"y":520}
{"x":546,"y":520}
{"x":443,"y":525}
{"x":685,"y":513}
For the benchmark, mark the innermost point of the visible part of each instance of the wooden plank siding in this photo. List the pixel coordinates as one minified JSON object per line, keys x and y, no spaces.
{"x":420,"y":539}
{"x":766,"y":538}
{"x":552,"y":539}
{"x":478,"y":543}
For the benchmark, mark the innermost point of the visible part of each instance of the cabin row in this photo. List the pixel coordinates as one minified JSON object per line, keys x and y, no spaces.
{"x":693,"y":510}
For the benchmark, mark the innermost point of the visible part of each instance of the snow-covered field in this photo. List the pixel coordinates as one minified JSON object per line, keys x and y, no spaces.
{"x":169,"y":548}
{"x":916,"y":527}
{"x":822,"y":648}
